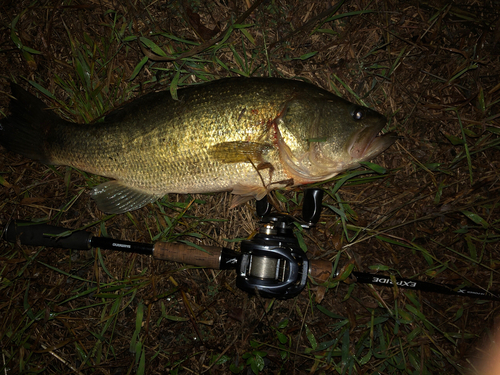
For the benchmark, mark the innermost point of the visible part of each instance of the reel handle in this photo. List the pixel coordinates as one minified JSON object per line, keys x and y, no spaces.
{"x":311,"y":206}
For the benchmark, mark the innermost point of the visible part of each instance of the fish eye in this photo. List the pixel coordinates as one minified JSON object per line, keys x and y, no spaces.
{"x":357,"y":114}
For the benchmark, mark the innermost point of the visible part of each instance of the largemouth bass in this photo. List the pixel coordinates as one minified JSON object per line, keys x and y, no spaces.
{"x":245,"y":135}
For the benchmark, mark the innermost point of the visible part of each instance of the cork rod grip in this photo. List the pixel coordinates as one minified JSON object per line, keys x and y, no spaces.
{"x":320,"y":270}
{"x":176,"y":252}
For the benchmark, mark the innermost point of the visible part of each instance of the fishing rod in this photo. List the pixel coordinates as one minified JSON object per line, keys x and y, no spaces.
{"x":271,"y":264}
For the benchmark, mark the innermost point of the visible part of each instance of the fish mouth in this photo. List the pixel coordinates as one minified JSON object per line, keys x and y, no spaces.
{"x":315,"y":165}
{"x":370,"y":142}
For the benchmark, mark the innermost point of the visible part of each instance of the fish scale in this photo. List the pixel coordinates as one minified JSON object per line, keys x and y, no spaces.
{"x":248,"y":135}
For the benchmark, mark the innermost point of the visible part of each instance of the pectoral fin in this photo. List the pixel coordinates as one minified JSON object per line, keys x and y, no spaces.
{"x":113,"y":197}
{"x":240,"y":152}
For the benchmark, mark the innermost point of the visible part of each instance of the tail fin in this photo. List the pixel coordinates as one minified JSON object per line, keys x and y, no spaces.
{"x":25,"y":130}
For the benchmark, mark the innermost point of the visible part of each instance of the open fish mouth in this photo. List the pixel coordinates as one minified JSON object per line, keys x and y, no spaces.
{"x":370,"y":142}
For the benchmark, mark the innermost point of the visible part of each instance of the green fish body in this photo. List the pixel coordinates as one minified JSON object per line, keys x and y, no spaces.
{"x":245,"y":135}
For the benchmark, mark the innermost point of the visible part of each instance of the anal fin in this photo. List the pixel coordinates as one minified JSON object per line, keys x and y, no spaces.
{"x":114,"y":197}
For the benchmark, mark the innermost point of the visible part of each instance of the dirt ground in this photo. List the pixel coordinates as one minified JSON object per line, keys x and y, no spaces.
{"x":433,"y":68}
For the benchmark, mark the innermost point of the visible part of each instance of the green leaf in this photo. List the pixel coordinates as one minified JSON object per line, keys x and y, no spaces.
{"x":345,"y":348}
{"x":300,"y":238}
{"x":152,"y":46}
{"x":14,"y":21}
{"x":138,"y":351}
{"x":346,"y":273}
{"x":224,"y":66}
{"x":439,"y":193}
{"x":223,"y":359}
{"x":138,"y":324}
{"x":380,"y":320}
{"x":283,"y":324}
{"x":103,"y":265}
{"x":248,"y":35}
{"x":415,"y":312}
{"x":26,"y":304}
{"x":280,"y":196}
{"x":138,"y":67}
{"x":142,"y":363}
{"x":493,"y":130}
{"x":308,"y":55}
{"x":348,"y":176}
{"x":329,"y":313}
{"x":311,"y":338}
{"x":31,"y":50}
{"x":459,"y":314}
{"x":455,"y":141}
{"x":173,"y":85}
{"x":239,"y":26}
{"x":40,"y":88}
{"x":254,"y":344}
{"x":348,"y":14}
{"x":471,"y":247}
{"x":414,"y":361}
{"x":476,"y":218}
{"x":470,"y":133}
{"x":175,"y":318}
{"x":16,"y":39}
{"x":413,"y":334}
{"x":282,"y":338}
{"x":374,"y":167}
{"x":364,"y":360}
{"x":257,"y":364}
{"x":130,"y":38}
{"x":236,"y":369}
{"x":177,"y":39}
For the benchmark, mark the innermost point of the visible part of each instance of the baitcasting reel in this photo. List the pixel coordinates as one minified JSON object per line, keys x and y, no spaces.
{"x":272,"y":263}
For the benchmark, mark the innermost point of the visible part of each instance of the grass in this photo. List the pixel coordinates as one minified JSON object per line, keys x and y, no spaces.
{"x":427,"y":208}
